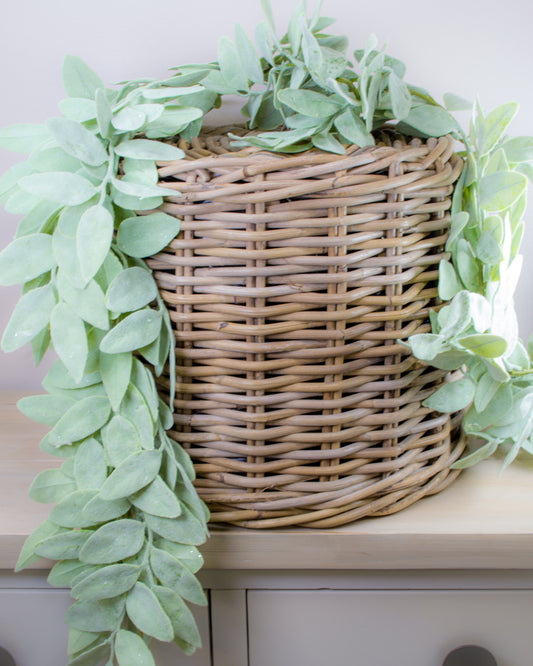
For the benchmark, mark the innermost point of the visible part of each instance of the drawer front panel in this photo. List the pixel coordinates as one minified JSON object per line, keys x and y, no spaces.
{"x":382,"y":628}
{"x":33,"y":631}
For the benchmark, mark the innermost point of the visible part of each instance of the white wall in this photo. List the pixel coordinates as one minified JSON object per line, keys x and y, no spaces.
{"x":461,"y":46}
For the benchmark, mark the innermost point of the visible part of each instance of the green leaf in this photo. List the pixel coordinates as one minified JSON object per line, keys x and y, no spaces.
{"x":519,"y":149}
{"x":79,"y":109}
{"x":328,"y":143}
{"x":23,"y":138}
{"x":129,"y":119}
{"x":68,"y":189}
{"x":501,"y":189}
{"x":69,"y":339}
{"x":250,"y":63}
{"x":93,"y":239}
{"x":456,"y":103}
{"x":180,"y":616}
{"x":485,"y":390}
{"x":175,"y":576}
{"x":30,"y":316}
{"x":147,"y":614}
{"x":63,"y":546}
{"x":478,"y":455}
{"x":90,"y":468}
{"x":133,"y":332}
{"x":104,"y":113}
{"x":84,"y":418}
{"x":400,"y":96}
{"x":144,"y":235}
{"x":53,"y":159}
{"x":431,"y":120}
{"x":489,"y":346}
{"x":47,"y":409}
{"x":14,"y":265}
{"x":452,"y":396}
{"x":134,"y":473}
{"x":131,"y":650}
{"x":63,"y":573}
{"x":69,"y":511}
{"x":140,"y":171}
{"x":493,"y":126}
{"x":133,"y":189}
{"x":190,"y":556}
{"x":27,"y":554}
{"x":144,"y":149}
{"x":488,"y":249}
{"x":309,"y":103}
{"x":172,"y":121}
{"x":449,"y":284}
{"x":158,"y":500}
{"x":116,"y":372}
{"x":88,"y":303}
{"x":99,"y":510}
{"x":186,"y":529}
{"x":93,"y":616}
{"x":468,"y":266}
{"x":51,"y":485}
{"x":58,"y":379}
{"x":353,"y":129}
{"x":64,"y":244}
{"x":93,"y":656}
{"x":230,"y":65}
{"x":131,"y":290}
{"x":106,"y":582}
{"x":113,"y":542}
{"x":121,"y":440}
{"x":79,"y":80}
{"x":426,"y":346}
{"x":78,"y":141}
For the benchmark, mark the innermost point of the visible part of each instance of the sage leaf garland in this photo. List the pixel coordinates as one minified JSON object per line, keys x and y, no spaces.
{"x":127,"y":518}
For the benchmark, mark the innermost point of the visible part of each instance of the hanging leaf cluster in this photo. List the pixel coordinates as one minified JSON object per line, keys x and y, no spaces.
{"x":127,"y":520}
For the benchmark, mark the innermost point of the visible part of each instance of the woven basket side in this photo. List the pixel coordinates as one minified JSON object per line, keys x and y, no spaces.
{"x":289,"y":286}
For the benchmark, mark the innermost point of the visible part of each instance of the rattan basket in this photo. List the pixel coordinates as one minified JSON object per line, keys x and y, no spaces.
{"x":289,"y":285}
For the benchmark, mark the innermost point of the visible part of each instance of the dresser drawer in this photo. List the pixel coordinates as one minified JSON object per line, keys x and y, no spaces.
{"x":387,"y":627}
{"x":33,"y":632}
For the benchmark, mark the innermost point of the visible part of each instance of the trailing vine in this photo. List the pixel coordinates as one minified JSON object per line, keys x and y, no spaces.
{"x":127,"y":520}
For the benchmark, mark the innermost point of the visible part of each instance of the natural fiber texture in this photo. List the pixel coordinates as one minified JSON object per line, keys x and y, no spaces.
{"x":289,"y":286}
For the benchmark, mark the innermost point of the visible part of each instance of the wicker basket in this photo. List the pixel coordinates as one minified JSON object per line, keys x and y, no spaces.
{"x":289,"y":286}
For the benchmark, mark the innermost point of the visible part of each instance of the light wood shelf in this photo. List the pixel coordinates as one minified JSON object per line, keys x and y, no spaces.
{"x":484,"y":520}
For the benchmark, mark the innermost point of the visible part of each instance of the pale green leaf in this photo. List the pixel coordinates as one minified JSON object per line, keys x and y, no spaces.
{"x":158,"y":500}
{"x":485,"y":390}
{"x":353,"y":129}
{"x":476,"y":456}
{"x":31,"y":314}
{"x":51,"y":485}
{"x":79,"y":109}
{"x":47,"y":409}
{"x":131,"y":650}
{"x":327,"y":142}
{"x":248,"y":55}
{"x":79,"y":80}
{"x":488,"y":249}
{"x":172,"y":121}
{"x":113,"y":541}
{"x":456,"y":103}
{"x":400,"y":96}
{"x":93,"y":616}
{"x":23,"y":138}
{"x":309,"y":103}
{"x":190,"y":556}
{"x":64,"y":244}
{"x":134,"y":473}
{"x":129,"y":119}
{"x":27,"y":554}
{"x":431,"y":120}
{"x":116,"y":371}
{"x":144,"y":149}
{"x":230,"y":65}
{"x":63,"y":546}
{"x":104,"y":113}
{"x":63,"y":187}
{"x":186,"y":528}
{"x":15,"y":266}
{"x":69,"y":339}
{"x":452,"y":396}
{"x":69,"y":511}
{"x":99,"y":510}
{"x":426,"y":346}
{"x":494,"y":125}
{"x":519,"y":149}
{"x":131,"y":290}
{"x":90,"y":468}
{"x":63,"y":573}
{"x":78,"y":141}
{"x":485,"y":344}
{"x":180,"y":616}
{"x":144,"y":235}
{"x":501,"y":189}
{"x":134,"y":189}
{"x":147,"y":614}
{"x":133,"y":332}
{"x":93,"y":239}
{"x":121,"y":440}
{"x":106,"y":582}
{"x":88,"y":303}
{"x":177,"y":577}
{"x":53,"y":159}
{"x":83,"y":419}
{"x":449,"y":284}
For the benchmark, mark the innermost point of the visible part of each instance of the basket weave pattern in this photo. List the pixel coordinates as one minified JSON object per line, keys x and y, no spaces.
{"x":289,"y":285}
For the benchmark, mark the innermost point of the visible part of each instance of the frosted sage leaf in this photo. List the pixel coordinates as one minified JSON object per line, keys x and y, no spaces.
{"x":230,"y":65}
{"x":172,"y":121}
{"x":64,"y":244}
{"x":63,"y":187}
{"x":327,"y":142}
{"x":136,"y":410}
{"x":128,"y":119}
{"x":133,"y":332}
{"x":455,"y":317}
{"x":88,"y":303}
{"x":79,"y":80}
{"x":78,"y":141}
{"x":480,"y":311}
{"x":519,"y":149}
{"x":488,"y":249}
{"x":186,"y":528}
{"x":53,"y":159}
{"x":456,"y":103}
{"x":190,"y":556}
{"x":95,"y":616}
{"x":132,"y":289}
{"x":51,"y":485}
{"x":157,"y":499}
{"x":90,"y":468}
{"x":103,"y":113}
{"x":309,"y":103}
{"x":63,"y":546}
{"x":400,"y":96}
{"x":14,"y":265}
{"x":94,"y":655}
{"x":476,"y":456}
{"x":431,"y":120}
{"x":140,"y":171}
{"x":47,"y":409}
{"x":58,"y":378}
{"x":485,"y":390}
{"x":69,"y":511}
{"x":131,"y":650}
{"x":493,"y":126}
{"x":142,"y":191}
{"x":180,"y":616}
{"x":64,"y":572}
{"x":30,"y":316}
{"x":426,"y":346}
{"x":23,"y":138}
{"x":452,"y":396}
{"x":468,"y":266}
{"x":116,"y":371}
{"x":101,"y":511}
{"x":489,"y":346}
{"x":353,"y":129}
{"x":449,"y":284}
{"x":147,"y":614}
{"x":93,"y":239}
{"x":144,"y":149}
{"x":501,"y":189}
{"x":143,"y":380}
{"x":107,"y":582}
{"x":113,"y":542}
{"x":27,"y":554}
{"x":174,"y":575}
{"x":248,"y":56}
{"x":83,"y":419}
{"x":144,"y":235}
{"x":134,"y":473}
{"x":121,"y":440}
{"x":69,"y":339}
{"x":78,"y":109}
